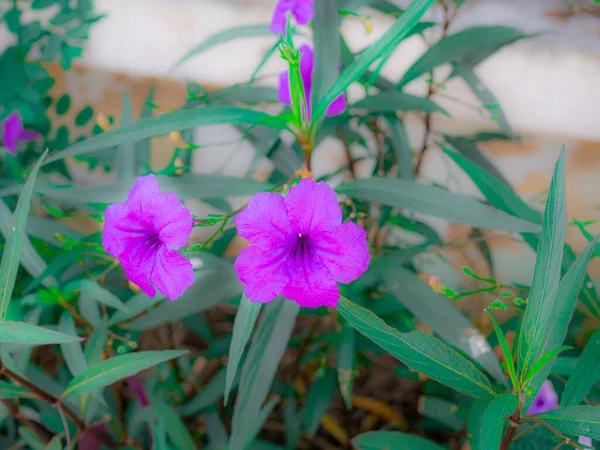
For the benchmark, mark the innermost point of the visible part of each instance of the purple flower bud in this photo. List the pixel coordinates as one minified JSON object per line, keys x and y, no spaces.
{"x":13,"y":132}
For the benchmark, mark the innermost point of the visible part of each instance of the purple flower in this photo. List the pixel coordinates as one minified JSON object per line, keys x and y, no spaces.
{"x":284,"y":95}
{"x":13,"y":132}
{"x":144,"y":232}
{"x":585,"y":441}
{"x":302,"y":10}
{"x":545,"y":400}
{"x":300,"y":248}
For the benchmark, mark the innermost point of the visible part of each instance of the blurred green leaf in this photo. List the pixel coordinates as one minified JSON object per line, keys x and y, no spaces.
{"x":585,"y":375}
{"x":434,"y":201}
{"x":242,"y":329}
{"x":390,"y":39}
{"x":574,"y":420}
{"x":116,"y":368}
{"x":82,"y":118}
{"x":71,"y":351}
{"x":420,"y":351}
{"x":93,"y":290}
{"x":208,"y":396}
{"x":135,"y":306}
{"x":440,"y":314}
{"x":217,"y":434}
{"x":126,"y":153}
{"x":387,"y":440}
{"x":224,"y":36}
{"x":467,"y":47}
{"x":474,"y":423}
{"x":469,"y":150}
{"x":163,"y":124}
{"x":177,"y":432}
{"x":495,"y":418}
{"x":442,"y":411}
{"x":393,"y":101}
{"x":267,"y":347}
{"x":346,"y":363}
{"x":9,"y":390}
{"x":262,"y":417}
{"x":95,"y":344}
{"x":538,"y":319}
{"x":31,"y":440}
{"x":14,"y":240}
{"x":326,"y":39}
{"x":42,"y":4}
{"x":318,"y":400}
{"x":63,"y":104}
{"x":401,"y":146}
{"x":26,"y":334}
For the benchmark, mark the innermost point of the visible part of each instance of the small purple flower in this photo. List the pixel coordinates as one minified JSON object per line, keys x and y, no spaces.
{"x":144,"y":232}
{"x":545,"y":400}
{"x":284,"y":95}
{"x":302,"y":10}
{"x":585,"y":441}
{"x":300,"y":248}
{"x":13,"y":132}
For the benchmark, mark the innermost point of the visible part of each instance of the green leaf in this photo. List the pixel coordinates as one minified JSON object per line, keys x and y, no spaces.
{"x":207,"y":397}
{"x":389,"y":40}
{"x":42,"y":4}
{"x":13,"y":20}
{"x":387,"y":440}
{"x":468,"y":47}
{"x":545,"y":359}
{"x":93,"y":290}
{"x":9,"y":391}
{"x":486,"y":97}
{"x":126,"y":154}
{"x":508,"y":357}
{"x":574,"y":420}
{"x":318,"y":400}
{"x":83,"y":117}
{"x":445,"y":412}
{"x":474,"y":422}
{"x":469,"y":150}
{"x":268,"y":345}
{"x":401,"y":146}
{"x":14,"y":241}
{"x":326,"y":38}
{"x":163,"y":124}
{"x":434,"y":201}
{"x":224,"y":36}
{"x":495,"y":418}
{"x":439,"y":313}
{"x":538,"y":319}
{"x":116,"y":368}
{"x":71,"y":351}
{"x":262,"y":417}
{"x":135,"y":305}
{"x":176,"y":430}
{"x":31,"y":440}
{"x":242,"y":329}
{"x":26,"y":334}
{"x":393,"y":101}
{"x":420,"y":351}
{"x":585,"y":375}
{"x":95,"y":344}
{"x":55,"y":443}
{"x":63,"y":104}
{"x":346,"y":363}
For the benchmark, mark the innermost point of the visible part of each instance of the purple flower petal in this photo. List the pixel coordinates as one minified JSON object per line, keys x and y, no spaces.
{"x":27,"y":135}
{"x":284,"y":94}
{"x":344,"y":251}
{"x":545,"y":400}
{"x":337,"y":107}
{"x":307,"y":63}
{"x":279,"y":19}
{"x":264,"y":222}
{"x":142,"y":233}
{"x":585,"y":441}
{"x":312,"y":207}
{"x":262,"y":275}
{"x":311,"y":285}
{"x":172,"y":274}
{"x":304,"y":11}
{"x":11,"y":129}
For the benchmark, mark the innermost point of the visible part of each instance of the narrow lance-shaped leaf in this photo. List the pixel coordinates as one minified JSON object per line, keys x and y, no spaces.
{"x":420,"y":351}
{"x":390,"y":39}
{"x":574,"y":420}
{"x":585,"y":375}
{"x":383,"y":440}
{"x":508,"y":357}
{"x":114,"y":369}
{"x":24,"y":333}
{"x":546,"y":275}
{"x":242,"y":329}
{"x":326,"y":37}
{"x":126,"y":154}
{"x":12,"y":248}
{"x":495,"y":419}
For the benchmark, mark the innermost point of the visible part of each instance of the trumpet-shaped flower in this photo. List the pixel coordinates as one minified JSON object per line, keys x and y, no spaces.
{"x":300,"y":247}
{"x":284,"y":95}
{"x":545,"y":400}
{"x":143,"y":233}
{"x":13,"y":132}
{"x":302,"y":10}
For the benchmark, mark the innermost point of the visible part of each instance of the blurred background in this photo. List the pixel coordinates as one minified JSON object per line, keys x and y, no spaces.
{"x":547,"y":85}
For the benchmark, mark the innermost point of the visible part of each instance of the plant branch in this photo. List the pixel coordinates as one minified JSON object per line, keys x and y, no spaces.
{"x":351,"y":166}
{"x":16,"y":414}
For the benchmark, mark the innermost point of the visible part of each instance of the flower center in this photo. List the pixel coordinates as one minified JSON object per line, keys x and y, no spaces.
{"x":302,"y":246}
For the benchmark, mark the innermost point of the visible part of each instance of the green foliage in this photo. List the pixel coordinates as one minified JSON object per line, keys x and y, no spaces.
{"x":213,"y":369}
